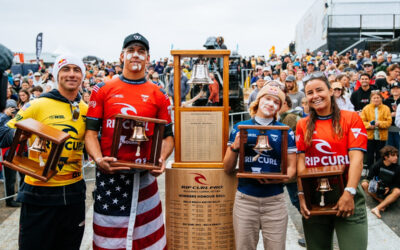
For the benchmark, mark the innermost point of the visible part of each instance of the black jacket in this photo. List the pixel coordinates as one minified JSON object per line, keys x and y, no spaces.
{"x":360,"y":98}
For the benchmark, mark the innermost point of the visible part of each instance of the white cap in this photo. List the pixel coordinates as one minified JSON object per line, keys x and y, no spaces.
{"x":381,"y":73}
{"x":64,"y":60}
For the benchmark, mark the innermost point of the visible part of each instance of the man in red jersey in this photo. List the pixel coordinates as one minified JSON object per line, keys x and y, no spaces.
{"x":127,"y":208}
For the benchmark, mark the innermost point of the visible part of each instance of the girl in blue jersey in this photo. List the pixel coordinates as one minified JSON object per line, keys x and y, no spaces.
{"x":259,"y":203}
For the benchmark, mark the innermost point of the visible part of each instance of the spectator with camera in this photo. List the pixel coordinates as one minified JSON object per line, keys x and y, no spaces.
{"x":9,"y":112}
{"x":383,"y":180}
{"x":10,"y":175}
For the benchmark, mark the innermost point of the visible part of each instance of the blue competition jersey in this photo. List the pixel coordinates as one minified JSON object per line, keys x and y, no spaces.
{"x":269,"y":161}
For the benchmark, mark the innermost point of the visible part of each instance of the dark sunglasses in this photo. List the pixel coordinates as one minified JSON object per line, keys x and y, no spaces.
{"x":337,"y":89}
{"x":75,"y":111}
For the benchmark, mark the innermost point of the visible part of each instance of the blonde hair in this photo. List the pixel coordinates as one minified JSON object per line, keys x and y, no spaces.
{"x":254,"y":107}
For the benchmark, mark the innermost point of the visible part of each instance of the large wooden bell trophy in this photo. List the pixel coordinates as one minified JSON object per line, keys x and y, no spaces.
{"x":322,"y":187}
{"x":48,"y":156}
{"x":199,"y":195}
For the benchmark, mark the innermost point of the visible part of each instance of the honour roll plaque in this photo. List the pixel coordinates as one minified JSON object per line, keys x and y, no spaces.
{"x":200,"y":139}
{"x":199,"y":209}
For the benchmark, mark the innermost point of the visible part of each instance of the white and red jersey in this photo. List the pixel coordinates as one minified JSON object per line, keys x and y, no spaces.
{"x":127,"y":207}
{"x":121,"y":96}
{"x":327,"y":149}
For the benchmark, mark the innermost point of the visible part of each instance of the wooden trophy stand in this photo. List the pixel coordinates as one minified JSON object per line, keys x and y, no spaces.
{"x":265,"y":175}
{"x":199,"y":195}
{"x":152,"y":163}
{"x":307,"y":181}
{"x":30,"y":167}
{"x":201,"y":132}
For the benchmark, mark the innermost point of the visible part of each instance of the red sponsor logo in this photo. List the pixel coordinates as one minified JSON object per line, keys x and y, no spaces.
{"x":92,"y":104}
{"x":199,"y":178}
{"x":62,"y":62}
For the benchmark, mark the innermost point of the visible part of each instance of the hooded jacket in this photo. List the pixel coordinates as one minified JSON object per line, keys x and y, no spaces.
{"x":67,"y":185}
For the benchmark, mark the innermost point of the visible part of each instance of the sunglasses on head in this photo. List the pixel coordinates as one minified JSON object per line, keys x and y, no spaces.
{"x":316,"y":75}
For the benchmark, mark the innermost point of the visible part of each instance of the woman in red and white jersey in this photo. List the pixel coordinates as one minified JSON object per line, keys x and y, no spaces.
{"x":330,"y":136}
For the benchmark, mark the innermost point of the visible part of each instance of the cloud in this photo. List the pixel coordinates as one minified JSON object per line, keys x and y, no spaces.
{"x":99,"y":27}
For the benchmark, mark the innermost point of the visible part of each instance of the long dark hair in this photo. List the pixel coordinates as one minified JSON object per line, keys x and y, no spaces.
{"x":313,"y":113}
{"x":20,"y":102}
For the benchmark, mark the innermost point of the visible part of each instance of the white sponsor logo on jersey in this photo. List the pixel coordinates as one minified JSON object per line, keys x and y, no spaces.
{"x":127,"y":108}
{"x":357,"y":132}
{"x":145,"y":98}
{"x":291,"y":134}
{"x":331,"y":160}
{"x":322,"y":145}
{"x":262,"y":159}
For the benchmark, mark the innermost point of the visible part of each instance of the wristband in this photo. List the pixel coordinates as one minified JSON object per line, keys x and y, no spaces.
{"x":300,"y":193}
{"x":235,"y":150}
{"x":351,"y":190}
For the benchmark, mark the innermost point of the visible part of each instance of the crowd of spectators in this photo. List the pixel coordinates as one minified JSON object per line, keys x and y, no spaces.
{"x":361,"y":81}
{"x":353,"y":77}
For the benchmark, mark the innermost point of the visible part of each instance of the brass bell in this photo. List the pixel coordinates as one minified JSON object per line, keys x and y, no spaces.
{"x":323,"y":187}
{"x":139,"y":133}
{"x":38,"y":145}
{"x":262,"y":143}
{"x":200,"y":75}
{"x":138,"y":136}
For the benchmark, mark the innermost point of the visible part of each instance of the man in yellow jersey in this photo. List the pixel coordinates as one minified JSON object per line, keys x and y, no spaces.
{"x":53,"y":212}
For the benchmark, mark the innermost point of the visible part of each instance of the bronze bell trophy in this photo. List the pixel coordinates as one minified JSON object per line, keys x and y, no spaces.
{"x":139,"y":136}
{"x":45,"y":135}
{"x":321,"y":180}
{"x":262,"y":145}
{"x":201,"y":134}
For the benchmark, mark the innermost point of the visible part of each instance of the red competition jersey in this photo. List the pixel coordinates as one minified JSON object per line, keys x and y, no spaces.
{"x":122,"y":96}
{"x":326,"y":148}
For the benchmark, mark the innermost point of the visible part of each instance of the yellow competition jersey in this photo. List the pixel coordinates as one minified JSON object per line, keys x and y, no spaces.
{"x":57,"y":114}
